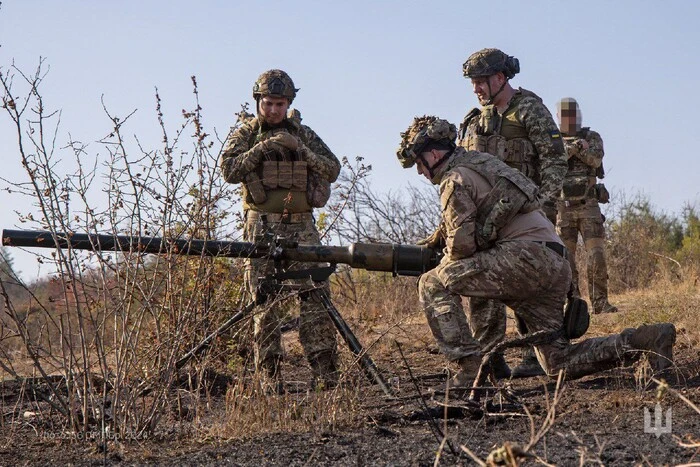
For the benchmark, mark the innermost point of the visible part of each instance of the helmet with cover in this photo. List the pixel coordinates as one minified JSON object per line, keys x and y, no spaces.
{"x":487,"y":62}
{"x":275,"y":83}
{"x":422,"y":132}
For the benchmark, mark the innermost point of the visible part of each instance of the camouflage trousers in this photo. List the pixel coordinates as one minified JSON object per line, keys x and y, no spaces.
{"x":316,"y":330}
{"x":529,"y":278}
{"x":588,"y":220}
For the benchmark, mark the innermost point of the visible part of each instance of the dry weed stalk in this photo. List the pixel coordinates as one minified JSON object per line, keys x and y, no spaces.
{"x":115,"y":321}
{"x":511,"y":454}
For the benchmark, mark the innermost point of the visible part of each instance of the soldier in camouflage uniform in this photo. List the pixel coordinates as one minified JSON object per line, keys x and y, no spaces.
{"x":579,"y":209}
{"x":515,"y":126}
{"x":500,"y":245}
{"x":285,"y":170}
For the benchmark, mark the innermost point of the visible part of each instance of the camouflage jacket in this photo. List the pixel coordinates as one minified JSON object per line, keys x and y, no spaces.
{"x":584,"y":161}
{"x":236,"y":160}
{"x":527,"y":117}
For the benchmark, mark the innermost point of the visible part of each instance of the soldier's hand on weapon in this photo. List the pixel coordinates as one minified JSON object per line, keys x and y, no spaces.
{"x":583,"y":144}
{"x":286,"y":140}
{"x":436,"y":240}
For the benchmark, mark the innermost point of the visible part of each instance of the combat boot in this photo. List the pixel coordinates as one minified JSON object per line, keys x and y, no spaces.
{"x":324,"y":370}
{"x":468,"y":368}
{"x":658,"y":340}
{"x":604,"y":307}
{"x":272,"y":380}
{"x":528,"y":366}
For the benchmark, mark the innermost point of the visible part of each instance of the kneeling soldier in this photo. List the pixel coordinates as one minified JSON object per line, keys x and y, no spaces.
{"x":500,"y":245}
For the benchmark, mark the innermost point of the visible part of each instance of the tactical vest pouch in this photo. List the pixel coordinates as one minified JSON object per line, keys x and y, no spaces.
{"x":270,"y":175}
{"x":489,"y":121}
{"x":575,"y":188}
{"x":493,"y":144}
{"x":299,"y":175}
{"x":518,"y":150}
{"x":284,"y":174}
{"x":478,"y":143}
{"x":519,"y":154}
{"x":496,"y":145}
{"x":601,"y":193}
{"x":254,"y":186}
{"x":576,"y":318}
{"x":318,"y":190}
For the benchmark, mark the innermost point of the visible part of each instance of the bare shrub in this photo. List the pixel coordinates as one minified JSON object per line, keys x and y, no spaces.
{"x":640,"y":242}
{"x":112,"y":325}
{"x":395,"y":216}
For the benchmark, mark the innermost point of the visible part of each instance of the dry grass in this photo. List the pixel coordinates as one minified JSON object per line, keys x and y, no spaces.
{"x":250,"y":411}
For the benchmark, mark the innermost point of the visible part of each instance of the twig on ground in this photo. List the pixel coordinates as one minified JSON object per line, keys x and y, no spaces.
{"x":439,"y":435}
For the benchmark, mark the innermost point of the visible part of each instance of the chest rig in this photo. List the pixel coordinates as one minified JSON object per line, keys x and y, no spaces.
{"x":503,"y":136}
{"x":512,"y":193}
{"x":282,"y":169}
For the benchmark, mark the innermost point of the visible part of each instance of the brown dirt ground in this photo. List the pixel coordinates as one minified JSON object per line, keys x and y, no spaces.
{"x":599,"y":421}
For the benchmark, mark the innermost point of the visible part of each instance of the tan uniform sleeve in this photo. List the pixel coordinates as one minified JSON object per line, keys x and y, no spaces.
{"x":319,"y":156}
{"x":458,"y":216}
{"x":593,"y":156}
{"x":238,"y":159}
{"x":544,"y":135}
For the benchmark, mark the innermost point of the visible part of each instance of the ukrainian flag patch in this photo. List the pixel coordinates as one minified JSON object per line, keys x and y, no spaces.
{"x":555,"y":134}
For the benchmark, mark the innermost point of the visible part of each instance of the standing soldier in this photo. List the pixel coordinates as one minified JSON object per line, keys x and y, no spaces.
{"x":579,"y":210}
{"x":515,"y":126}
{"x":286,"y":171}
{"x":499,"y":245}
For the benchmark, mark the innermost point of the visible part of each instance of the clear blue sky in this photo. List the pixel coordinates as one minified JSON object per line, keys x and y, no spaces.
{"x":365,"y":68}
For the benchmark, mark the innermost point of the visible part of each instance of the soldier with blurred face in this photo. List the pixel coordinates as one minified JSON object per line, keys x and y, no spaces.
{"x":515,"y":126}
{"x":285,"y":170}
{"x":579,"y":208}
{"x":500,"y":245}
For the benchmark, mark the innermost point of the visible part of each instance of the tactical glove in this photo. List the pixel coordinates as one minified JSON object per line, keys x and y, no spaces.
{"x":436,"y":240}
{"x":286,"y":140}
{"x":250,"y":159}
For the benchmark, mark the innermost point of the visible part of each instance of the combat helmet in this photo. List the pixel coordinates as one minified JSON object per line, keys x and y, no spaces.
{"x":274,"y":83}
{"x":487,"y":62}
{"x":423,"y":131}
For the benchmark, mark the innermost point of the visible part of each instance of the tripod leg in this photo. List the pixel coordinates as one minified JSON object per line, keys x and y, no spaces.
{"x":367,"y":364}
{"x":223,"y":328}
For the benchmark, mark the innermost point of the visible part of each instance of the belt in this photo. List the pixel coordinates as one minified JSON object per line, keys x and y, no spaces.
{"x":558,"y":248}
{"x":284,"y":217}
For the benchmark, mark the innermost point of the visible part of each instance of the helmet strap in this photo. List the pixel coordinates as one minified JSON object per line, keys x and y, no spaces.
{"x":493,"y":96}
{"x":438,"y":163}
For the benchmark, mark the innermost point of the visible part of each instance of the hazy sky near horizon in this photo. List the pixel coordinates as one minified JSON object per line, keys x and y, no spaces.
{"x":365,"y":69}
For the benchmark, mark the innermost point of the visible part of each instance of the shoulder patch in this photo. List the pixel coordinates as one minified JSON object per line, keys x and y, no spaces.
{"x":446,"y":191}
{"x":555,"y":134}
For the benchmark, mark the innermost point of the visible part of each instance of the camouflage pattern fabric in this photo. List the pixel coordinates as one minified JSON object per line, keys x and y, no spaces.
{"x":530,"y":114}
{"x":242,"y":153}
{"x":583,"y":159}
{"x":527,"y":117}
{"x":533,"y":281}
{"x":316,"y":330}
{"x":583,"y":216}
{"x":587,"y":220}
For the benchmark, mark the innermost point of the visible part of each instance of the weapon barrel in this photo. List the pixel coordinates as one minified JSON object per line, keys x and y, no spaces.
{"x":406,"y":260}
{"x":403,"y":260}
{"x":102,"y":242}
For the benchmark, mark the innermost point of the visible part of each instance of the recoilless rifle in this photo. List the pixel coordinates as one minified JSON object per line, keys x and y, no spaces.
{"x":404,"y":260}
